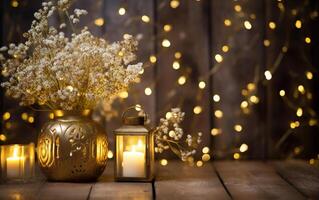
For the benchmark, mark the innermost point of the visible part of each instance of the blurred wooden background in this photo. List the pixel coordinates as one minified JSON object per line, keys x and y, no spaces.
{"x":199,"y":30}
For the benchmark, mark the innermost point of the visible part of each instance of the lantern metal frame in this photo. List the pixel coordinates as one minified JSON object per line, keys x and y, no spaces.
{"x":134,"y":127}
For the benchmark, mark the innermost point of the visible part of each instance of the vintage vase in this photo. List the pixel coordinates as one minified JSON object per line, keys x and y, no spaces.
{"x":72,"y":148}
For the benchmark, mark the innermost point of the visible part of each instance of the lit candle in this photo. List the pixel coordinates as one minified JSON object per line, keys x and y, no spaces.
{"x":133,"y":163}
{"x":15,"y":164}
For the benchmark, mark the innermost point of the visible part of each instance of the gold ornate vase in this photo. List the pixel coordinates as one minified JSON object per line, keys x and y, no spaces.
{"x":72,"y":148}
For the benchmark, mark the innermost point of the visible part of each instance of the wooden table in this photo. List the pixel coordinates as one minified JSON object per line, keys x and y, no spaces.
{"x":215,"y":180}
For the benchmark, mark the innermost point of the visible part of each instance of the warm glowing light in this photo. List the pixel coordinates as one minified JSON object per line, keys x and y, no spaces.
{"x":247,"y":25}
{"x":176,"y":65}
{"x":236,"y":156}
{"x":268,"y":74}
{"x":298,"y":24}
{"x":292,"y":125}
{"x":197,"y":110}
{"x":206,"y":157}
{"x":123,"y":94}
{"x":225,"y":48}
{"x":266,"y":43}
{"x":251,"y":86}
{"x":218,"y":58}
{"x":6,"y":116}
{"x":216,"y":98}
{"x":312,"y":122}
{"x":282,"y":93}
{"x":14,"y":3}
{"x":153,"y":59}
{"x":237,"y":8}
{"x":172,"y":133}
{"x":138,"y":107}
{"x":3,"y":137}
{"x":218,"y":113}
{"x":215,"y":131}
{"x":308,"y":40}
{"x":109,"y":154}
{"x":201,"y":84}
{"x":31,"y":119}
{"x":181,"y":80}
{"x":272,"y":25}
{"x":145,"y":18}
{"x":284,"y":49}
{"x":238,"y":128}
{"x":301,"y":89}
{"x":309,"y":75}
{"x":205,"y":150}
{"x":24,"y":116}
{"x":178,"y":55}
{"x":164,"y":162}
{"x":244,"y":104}
{"x":166,"y":43}
{"x":167,"y":27}
{"x":199,"y":163}
{"x":299,"y":112}
{"x":174,"y":3}
{"x":148,"y":91}
{"x":99,"y":21}
{"x":168,"y":115}
{"x":254,"y":99}
{"x":243,"y":148}
{"x":122,"y":11}
{"x":227,"y":22}
{"x":312,"y":161}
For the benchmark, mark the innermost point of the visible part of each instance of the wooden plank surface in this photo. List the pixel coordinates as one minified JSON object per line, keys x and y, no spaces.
{"x":255,"y":180}
{"x":106,"y":188}
{"x":179,"y":181}
{"x":301,"y":175}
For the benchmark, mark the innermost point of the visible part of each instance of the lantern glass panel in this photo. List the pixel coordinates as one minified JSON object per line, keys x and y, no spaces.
{"x":17,"y":162}
{"x":131,"y":156}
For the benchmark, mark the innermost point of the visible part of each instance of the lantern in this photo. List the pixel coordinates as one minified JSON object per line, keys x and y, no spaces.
{"x":17,"y":162}
{"x":134,"y":147}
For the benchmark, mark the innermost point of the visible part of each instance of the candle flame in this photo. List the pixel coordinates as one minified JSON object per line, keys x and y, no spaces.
{"x":15,"y":151}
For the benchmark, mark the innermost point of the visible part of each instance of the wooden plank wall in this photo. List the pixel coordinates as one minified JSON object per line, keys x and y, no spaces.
{"x":199,"y":33}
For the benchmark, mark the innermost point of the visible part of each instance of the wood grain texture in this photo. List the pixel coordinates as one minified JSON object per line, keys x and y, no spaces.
{"x":179,"y":181}
{"x":301,"y":175}
{"x":106,"y":188}
{"x":254,"y":180}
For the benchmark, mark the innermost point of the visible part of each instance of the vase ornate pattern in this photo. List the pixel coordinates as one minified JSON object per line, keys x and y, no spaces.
{"x":72,"y":148}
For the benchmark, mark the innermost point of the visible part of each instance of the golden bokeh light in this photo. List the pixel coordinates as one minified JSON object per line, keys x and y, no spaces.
{"x":309,"y":75}
{"x":308,"y":40}
{"x":110,"y":154}
{"x":237,"y":8}
{"x":145,"y":18}
{"x":218,"y":58}
{"x":216,"y":98}
{"x":178,"y":55}
{"x":243,"y":148}
{"x":6,"y":116}
{"x":247,"y":25}
{"x":166,"y":43}
{"x":123,"y":94}
{"x":197,"y":110}
{"x":268,"y":74}
{"x":122,"y":11}
{"x":99,"y":21}
{"x":299,"y":112}
{"x":181,"y":80}
{"x":238,"y":128}
{"x":218,"y":114}
{"x":282,"y":93}
{"x":201,"y":84}
{"x":205,"y":157}
{"x":174,"y":3}
{"x":176,"y":65}
{"x":199,"y":163}
{"x":167,"y":27}
{"x":153,"y":59}
{"x":225,"y":48}
{"x":227,"y":22}
{"x":298,"y":24}
{"x":301,"y":89}
{"x":148,"y":91}
{"x":236,"y":156}
{"x":163,"y":162}
{"x":205,"y":150}
{"x":215,"y":131}
{"x":272,"y":25}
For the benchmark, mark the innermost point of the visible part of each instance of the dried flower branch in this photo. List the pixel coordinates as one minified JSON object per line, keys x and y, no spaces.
{"x":169,"y":135}
{"x":67,"y":73}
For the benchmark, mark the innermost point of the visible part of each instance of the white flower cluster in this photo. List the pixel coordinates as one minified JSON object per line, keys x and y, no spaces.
{"x":67,"y":73}
{"x":168,"y":135}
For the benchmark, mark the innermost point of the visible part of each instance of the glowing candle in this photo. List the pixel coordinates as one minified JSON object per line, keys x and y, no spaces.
{"x":15,"y":164}
{"x":133,"y":163}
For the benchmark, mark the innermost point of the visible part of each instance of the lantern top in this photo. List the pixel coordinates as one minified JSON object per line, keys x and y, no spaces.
{"x":133,"y":120}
